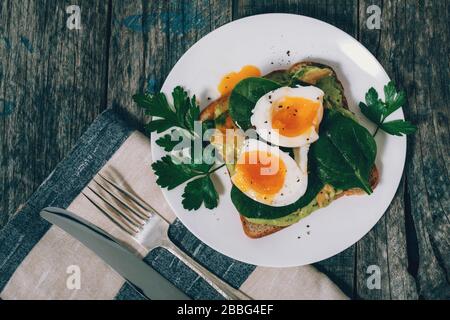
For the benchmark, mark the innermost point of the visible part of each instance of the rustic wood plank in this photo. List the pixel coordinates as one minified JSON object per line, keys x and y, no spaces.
{"x":52,"y":82}
{"x":344,"y":15}
{"x":411,"y":242}
{"x":129,"y":27}
{"x":148,"y":39}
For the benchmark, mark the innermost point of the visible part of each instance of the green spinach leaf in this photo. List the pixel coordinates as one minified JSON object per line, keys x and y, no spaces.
{"x":244,"y":97}
{"x":345,"y":152}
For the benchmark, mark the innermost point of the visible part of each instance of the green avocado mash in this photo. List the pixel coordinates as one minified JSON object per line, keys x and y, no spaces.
{"x":324,"y":198}
{"x":289,"y":219}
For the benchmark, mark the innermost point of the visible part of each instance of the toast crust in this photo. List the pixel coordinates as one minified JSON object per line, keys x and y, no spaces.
{"x":253,"y":230}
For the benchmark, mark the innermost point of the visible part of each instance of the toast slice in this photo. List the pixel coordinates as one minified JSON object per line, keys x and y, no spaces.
{"x":219,"y":106}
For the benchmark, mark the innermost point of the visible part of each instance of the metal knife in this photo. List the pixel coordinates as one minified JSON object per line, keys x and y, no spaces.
{"x":138,"y":273}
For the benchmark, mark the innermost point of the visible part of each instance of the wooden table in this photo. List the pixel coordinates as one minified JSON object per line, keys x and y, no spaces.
{"x":55,"y":81}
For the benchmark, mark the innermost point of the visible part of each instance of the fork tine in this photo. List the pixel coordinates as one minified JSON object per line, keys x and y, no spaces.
{"x":123,"y":213}
{"x":138,"y":201}
{"x":119,"y":221}
{"x":142,"y":215}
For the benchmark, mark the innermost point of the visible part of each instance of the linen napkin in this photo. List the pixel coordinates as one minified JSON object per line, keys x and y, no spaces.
{"x":40,"y":261}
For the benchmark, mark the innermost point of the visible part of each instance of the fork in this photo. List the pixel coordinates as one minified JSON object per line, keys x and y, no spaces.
{"x":130,"y":213}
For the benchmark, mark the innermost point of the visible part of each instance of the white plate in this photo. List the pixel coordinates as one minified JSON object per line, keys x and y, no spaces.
{"x":261,"y":40}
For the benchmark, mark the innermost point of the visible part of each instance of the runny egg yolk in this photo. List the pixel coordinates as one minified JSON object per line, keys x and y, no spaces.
{"x":261,"y":172}
{"x":230,"y":80}
{"x":293,"y":116}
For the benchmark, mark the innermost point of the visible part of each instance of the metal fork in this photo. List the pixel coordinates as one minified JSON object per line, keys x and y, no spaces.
{"x":131,"y":213}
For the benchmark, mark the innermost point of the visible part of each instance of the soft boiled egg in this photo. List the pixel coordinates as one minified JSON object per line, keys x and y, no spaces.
{"x":268,"y":175}
{"x":289,"y":117}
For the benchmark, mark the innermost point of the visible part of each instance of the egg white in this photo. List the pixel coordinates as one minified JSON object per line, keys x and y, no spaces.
{"x":296,"y":178}
{"x":261,"y":118}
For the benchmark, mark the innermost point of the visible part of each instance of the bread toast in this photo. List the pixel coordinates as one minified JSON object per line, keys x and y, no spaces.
{"x":220,"y":105}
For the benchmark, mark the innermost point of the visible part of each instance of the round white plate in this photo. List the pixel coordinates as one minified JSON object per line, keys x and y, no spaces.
{"x":264,"y":41}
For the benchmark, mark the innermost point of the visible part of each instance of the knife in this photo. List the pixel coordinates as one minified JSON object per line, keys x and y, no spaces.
{"x":139,"y":274}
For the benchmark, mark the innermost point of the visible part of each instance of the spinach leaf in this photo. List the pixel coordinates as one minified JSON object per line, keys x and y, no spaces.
{"x":252,"y":209}
{"x":244,"y":97}
{"x":345,"y":152}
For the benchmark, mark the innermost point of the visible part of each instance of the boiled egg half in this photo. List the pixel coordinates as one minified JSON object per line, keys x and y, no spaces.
{"x":289,"y":117}
{"x":269,"y":175}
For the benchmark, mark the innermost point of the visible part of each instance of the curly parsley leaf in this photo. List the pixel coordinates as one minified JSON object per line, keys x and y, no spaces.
{"x":155,"y":105}
{"x":197,"y":191}
{"x":171,"y":174}
{"x":167,"y":142}
{"x":192,"y":114}
{"x":377,"y":110}
{"x":175,"y":140}
{"x":200,"y":191}
{"x":180,"y":102}
{"x":184,"y":112}
{"x":158,"y":125}
{"x":374,"y":109}
{"x":394,"y":99}
{"x":181,"y":165}
{"x":398,"y":127}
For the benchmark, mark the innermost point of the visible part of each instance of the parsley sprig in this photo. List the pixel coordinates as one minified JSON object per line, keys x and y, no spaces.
{"x":179,"y":167}
{"x":377,"y":110}
{"x":182,"y":114}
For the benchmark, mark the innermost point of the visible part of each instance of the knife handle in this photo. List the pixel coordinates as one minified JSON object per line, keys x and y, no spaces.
{"x":227,"y":291}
